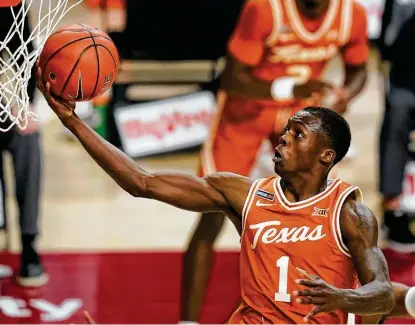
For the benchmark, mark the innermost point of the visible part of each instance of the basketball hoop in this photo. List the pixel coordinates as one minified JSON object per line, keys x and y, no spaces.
{"x":16,"y":67}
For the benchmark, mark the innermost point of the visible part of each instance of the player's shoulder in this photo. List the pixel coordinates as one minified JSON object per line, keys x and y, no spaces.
{"x":260,"y":6}
{"x":358,"y":11}
{"x":357,"y":213}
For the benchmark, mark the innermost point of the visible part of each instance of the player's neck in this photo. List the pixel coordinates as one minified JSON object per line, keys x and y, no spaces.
{"x":300,"y":187}
{"x":313,"y":13}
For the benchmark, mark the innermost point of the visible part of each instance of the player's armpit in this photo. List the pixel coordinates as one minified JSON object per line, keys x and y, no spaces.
{"x":360,"y":233}
{"x":215,"y":192}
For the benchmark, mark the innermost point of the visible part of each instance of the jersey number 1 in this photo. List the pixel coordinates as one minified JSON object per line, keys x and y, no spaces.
{"x":281,"y":294}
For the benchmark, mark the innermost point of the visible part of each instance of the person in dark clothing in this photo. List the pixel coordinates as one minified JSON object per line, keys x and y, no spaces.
{"x":24,"y":147}
{"x":397,"y":47}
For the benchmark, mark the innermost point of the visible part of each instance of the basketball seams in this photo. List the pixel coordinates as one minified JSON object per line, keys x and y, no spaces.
{"x":66,"y":45}
{"x":109,"y":52}
{"x":79,"y":34}
{"x":98,"y":62}
{"x":74,"y":67}
{"x":79,"y":31}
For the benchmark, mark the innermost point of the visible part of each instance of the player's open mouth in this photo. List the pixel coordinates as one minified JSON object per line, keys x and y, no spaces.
{"x":278,"y":157}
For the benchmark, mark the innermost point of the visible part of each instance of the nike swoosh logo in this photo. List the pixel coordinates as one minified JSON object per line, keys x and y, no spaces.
{"x":260,"y":204}
{"x":79,"y":93}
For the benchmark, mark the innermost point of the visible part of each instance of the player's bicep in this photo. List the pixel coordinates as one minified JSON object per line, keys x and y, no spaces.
{"x":185,"y":192}
{"x":252,"y":29}
{"x":360,"y":231}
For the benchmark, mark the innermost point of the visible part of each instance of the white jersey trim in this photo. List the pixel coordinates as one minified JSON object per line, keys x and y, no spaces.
{"x":346,"y":22}
{"x":277,"y":21}
{"x":305,"y":203}
{"x":307,"y":36}
{"x":248,"y":202}
{"x":336,"y":229}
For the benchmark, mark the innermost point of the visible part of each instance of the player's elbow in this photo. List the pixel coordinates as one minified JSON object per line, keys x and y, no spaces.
{"x":140,"y":187}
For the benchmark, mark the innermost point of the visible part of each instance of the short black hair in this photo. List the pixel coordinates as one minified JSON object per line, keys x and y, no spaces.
{"x":336,"y":129}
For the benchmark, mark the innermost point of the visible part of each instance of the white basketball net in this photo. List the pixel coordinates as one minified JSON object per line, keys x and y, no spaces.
{"x":16,"y":65}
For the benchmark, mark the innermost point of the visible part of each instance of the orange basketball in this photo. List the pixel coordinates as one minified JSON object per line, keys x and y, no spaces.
{"x":80,"y":62}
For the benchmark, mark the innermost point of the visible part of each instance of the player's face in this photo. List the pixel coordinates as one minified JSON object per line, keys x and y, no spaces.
{"x":298,"y":150}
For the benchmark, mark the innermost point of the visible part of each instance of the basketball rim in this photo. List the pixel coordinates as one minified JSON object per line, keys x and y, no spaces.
{"x":9,"y":3}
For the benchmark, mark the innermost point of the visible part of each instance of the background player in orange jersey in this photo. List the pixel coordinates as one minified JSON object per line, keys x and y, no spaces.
{"x":343,"y":231}
{"x":276,"y":56}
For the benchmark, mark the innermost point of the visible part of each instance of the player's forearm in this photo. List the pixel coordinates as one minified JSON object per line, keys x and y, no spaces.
{"x":355,"y":80}
{"x":121,"y":168}
{"x":373,"y":298}
{"x":404,"y":301}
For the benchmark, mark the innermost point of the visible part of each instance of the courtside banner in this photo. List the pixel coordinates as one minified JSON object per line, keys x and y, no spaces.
{"x":165,"y":125}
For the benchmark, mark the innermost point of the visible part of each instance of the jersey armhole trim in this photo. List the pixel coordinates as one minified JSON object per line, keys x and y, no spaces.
{"x":336,"y":218}
{"x":346,"y":22}
{"x":248,"y":202}
{"x":277,"y":21}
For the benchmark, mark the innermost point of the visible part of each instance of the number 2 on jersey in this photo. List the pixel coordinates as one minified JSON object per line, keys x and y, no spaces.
{"x":282,"y":293}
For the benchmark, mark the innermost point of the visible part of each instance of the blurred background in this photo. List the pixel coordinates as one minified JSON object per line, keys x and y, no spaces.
{"x":120,"y":257}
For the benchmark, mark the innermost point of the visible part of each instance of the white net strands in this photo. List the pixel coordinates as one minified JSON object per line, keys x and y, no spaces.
{"x":16,"y":64}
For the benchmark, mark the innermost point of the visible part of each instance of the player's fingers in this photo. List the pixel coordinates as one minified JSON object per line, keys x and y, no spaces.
{"x":49,"y":98}
{"x":39,"y":81}
{"x":326,"y":85}
{"x":88,"y":318}
{"x":305,"y":274}
{"x":309,"y":283}
{"x":309,"y":293}
{"x":312,"y":313}
{"x":311,"y":300}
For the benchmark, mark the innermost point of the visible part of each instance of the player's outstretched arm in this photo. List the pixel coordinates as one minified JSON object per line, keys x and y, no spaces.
{"x":218,"y":192}
{"x":360,"y":233}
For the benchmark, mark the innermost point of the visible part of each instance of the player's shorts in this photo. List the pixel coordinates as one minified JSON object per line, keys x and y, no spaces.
{"x":240,"y":127}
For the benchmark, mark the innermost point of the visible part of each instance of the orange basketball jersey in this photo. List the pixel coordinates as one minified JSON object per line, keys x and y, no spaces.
{"x":278,"y":41}
{"x":279,"y":236}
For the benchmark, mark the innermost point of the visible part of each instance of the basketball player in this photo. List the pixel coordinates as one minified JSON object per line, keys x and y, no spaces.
{"x":297,"y":220}
{"x":275,"y":59}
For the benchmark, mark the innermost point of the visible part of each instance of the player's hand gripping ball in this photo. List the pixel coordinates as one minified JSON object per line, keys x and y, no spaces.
{"x":80,"y":62}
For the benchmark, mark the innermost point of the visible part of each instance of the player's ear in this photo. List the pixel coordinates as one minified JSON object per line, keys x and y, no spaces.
{"x":327,"y":156}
